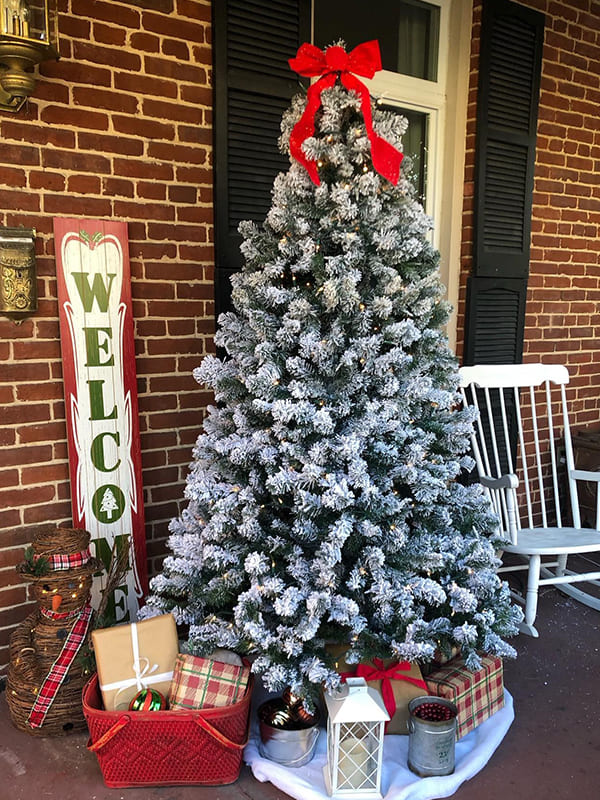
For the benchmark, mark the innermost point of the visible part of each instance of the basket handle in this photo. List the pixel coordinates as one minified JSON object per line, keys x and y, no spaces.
{"x":119,"y":724}
{"x":210,"y":729}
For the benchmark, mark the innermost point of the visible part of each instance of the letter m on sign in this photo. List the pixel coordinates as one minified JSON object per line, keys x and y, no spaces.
{"x":96,"y":328}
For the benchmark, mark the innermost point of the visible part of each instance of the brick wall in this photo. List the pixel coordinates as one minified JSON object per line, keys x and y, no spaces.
{"x":119,"y":128}
{"x":562,"y":322}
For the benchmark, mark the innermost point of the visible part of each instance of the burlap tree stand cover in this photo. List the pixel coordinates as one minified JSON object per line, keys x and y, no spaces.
{"x":45,"y":675}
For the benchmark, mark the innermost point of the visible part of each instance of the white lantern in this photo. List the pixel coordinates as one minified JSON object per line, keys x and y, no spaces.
{"x":355,"y":729}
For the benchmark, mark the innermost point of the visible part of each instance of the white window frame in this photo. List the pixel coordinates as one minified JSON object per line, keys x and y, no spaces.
{"x":445,"y":102}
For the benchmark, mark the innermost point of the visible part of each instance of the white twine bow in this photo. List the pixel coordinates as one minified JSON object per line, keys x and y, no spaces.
{"x":140,"y":674}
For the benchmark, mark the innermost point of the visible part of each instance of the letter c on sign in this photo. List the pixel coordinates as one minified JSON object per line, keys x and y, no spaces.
{"x":98,"y":455}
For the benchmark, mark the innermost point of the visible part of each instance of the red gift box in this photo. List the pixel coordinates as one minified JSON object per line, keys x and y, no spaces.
{"x":477,"y":695}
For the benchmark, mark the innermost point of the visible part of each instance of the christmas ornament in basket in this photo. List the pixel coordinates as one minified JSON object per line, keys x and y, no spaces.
{"x":165,"y":748}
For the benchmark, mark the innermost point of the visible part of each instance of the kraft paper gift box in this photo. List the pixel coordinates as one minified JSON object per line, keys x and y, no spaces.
{"x":477,"y":695}
{"x":130,"y":657}
{"x":397,"y":681}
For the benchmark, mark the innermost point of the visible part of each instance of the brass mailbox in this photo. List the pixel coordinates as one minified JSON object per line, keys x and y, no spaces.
{"x":18,"y":290}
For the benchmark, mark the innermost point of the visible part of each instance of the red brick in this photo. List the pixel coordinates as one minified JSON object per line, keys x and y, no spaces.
{"x":109,"y":12}
{"x":12,"y":177}
{"x":133,"y":168}
{"x":25,"y":201}
{"x":45,"y":473}
{"x":109,"y":34}
{"x":75,"y":117}
{"x":13,"y":596}
{"x":25,"y":497}
{"x":102,"y":98}
{"x":182,"y":194}
{"x":198,"y":95}
{"x":84,"y":184}
{"x":158,"y":250}
{"x":173,"y":26}
{"x":77,"y":206}
{"x":166,"y":68}
{"x":145,"y":85}
{"x":80,"y":162}
{"x":151,"y":190}
{"x":194,"y":10}
{"x":109,"y":144}
{"x":146,"y":42}
{"x":113,"y":57}
{"x":158,"y":441}
{"x":49,"y":432}
{"x":137,"y":210}
{"x":154,"y":290}
{"x":42,"y":513}
{"x":117,"y":186}
{"x":144,"y":128}
{"x":178,"y":49}
{"x":52,"y":181}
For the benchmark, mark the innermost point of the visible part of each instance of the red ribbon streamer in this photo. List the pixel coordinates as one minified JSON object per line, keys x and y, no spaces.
{"x":364,"y":60}
{"x":378,"y":672}
{"x":58,"y":671}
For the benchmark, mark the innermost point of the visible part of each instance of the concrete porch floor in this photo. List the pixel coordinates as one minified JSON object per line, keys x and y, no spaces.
{"x":552,"y":749}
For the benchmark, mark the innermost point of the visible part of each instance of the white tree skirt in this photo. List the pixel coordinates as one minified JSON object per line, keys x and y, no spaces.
{"x":399,"y":783}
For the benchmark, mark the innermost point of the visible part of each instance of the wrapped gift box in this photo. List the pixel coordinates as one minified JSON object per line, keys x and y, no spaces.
{"x":397,"y":681}
{"x":206,"y":683}
{"x":477,"y":695}
{"x":129,"y":655}
{"x":439,"y":659}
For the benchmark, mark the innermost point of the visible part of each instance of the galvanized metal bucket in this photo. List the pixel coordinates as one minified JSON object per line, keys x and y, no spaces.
{"x":431,"y":743}
{"x":292,"y":748}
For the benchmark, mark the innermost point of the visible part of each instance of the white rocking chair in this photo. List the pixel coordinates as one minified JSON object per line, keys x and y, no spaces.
{"x":516,"y":448}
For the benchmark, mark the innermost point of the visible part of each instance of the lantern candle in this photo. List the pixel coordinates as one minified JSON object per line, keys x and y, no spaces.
{"x":356,"y":763}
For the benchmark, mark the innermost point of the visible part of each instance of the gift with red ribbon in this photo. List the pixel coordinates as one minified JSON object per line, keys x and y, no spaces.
{"x":333,"y":63}
{"x":398,"y":682}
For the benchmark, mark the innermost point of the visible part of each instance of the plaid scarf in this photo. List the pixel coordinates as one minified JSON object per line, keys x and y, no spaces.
{"x":68,"y":561}
{"x":54,"y":679}
{"x":49,"y":614}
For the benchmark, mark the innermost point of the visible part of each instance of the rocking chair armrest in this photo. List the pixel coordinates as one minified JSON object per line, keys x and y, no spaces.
{"x":584,"y":475}
{"x":507,"y":481}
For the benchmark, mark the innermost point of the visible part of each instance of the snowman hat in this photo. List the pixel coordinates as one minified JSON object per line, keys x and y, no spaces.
{"x":64,"y":550}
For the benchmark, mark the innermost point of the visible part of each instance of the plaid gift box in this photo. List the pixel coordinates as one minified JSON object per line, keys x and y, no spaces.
{"x":477,"y":695}
{"x":204,"y":683}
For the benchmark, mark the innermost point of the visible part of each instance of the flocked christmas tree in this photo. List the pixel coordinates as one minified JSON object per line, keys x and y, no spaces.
{"x":323,"y":500}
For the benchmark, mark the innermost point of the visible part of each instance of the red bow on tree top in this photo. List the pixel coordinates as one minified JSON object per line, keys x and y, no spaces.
{"x":364,"y":60}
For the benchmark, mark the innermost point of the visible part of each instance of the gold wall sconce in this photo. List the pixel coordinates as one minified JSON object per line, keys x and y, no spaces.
{"x":18,"y":289}
{"x":28,"y":36}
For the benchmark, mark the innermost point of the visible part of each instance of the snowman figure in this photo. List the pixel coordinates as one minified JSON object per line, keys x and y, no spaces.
{"x":45,"y":678}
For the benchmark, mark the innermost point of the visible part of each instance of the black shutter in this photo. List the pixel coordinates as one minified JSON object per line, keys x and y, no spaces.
{"x":512,"y":38}
{"x":253,"y":85}
{"x":495,"y":320}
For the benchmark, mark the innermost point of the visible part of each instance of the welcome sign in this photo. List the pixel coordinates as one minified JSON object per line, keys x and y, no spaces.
{"x":96,"y":326}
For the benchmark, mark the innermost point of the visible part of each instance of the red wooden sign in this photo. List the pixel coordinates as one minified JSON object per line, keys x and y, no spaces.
{"x":96,"y":328}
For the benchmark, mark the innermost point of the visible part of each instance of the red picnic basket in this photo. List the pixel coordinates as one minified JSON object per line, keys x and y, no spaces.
{"x":166,"y":748}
